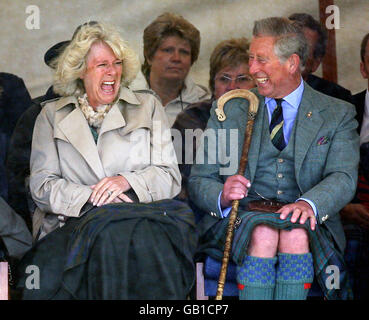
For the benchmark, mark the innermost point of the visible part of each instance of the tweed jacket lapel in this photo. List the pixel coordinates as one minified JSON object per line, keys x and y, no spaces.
{"x":308,"y":123}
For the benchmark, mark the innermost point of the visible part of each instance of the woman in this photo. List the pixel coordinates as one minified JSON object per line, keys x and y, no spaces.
{"x":101,"y":145}
{"x":228,"y":71}
{"x":171,"y":46}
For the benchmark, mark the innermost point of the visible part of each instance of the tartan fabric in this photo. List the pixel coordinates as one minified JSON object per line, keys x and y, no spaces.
{"x":276,"y":126}
{"x":357,"y":259}
{"x":321,"y":246}
{"x":362,"y":191}
{"x":118,"y":251}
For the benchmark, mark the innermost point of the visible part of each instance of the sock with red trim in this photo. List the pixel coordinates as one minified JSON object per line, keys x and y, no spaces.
{"x":256,"y":278}
{"x":295,"y":273}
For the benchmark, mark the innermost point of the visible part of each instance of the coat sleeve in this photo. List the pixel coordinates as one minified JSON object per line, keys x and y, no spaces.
{"x":161,"y":179}
{"x":50,"y":191}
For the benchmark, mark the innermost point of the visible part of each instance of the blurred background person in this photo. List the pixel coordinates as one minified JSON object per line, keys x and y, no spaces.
{"x":171,"y":47}
{"x":316,"y":37}
{"x":14,"y":100}
{"x":355,"y":215}
{"x":229,"y":70}
{"x":19,"y":153}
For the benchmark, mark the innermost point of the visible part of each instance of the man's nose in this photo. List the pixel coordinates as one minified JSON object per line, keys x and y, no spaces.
{"x":253,"y":66}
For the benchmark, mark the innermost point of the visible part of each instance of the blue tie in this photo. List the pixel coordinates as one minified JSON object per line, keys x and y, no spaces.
{"x":276,"y":126}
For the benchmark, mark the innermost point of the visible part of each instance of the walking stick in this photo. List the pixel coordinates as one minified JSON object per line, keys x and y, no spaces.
{"x":253,"y":108}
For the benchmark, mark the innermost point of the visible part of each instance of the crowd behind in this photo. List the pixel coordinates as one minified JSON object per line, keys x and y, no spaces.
{"x":66,"y":169}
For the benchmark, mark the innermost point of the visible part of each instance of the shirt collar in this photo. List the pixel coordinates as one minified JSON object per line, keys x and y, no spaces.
{"x":294,"y":98}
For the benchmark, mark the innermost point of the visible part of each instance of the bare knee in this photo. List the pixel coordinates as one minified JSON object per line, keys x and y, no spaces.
{"x":264,"y":242}
{"x":295,"y":241}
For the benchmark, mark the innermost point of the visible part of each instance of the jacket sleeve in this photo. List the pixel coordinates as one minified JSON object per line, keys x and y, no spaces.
{"x":50,"y":191}
{"x":161,"y":179}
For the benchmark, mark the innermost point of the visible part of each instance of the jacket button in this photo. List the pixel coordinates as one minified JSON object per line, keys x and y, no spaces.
{"x":280,"y":175}
{"x":280,"y":160}
{"x":279,"y":192}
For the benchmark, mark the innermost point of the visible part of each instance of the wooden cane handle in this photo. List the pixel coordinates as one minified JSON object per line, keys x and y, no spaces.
{"x":238,"y":93}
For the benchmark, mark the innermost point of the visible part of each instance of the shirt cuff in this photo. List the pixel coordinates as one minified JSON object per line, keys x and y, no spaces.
{"x":311,"y":204}
{"x":224,"y":213}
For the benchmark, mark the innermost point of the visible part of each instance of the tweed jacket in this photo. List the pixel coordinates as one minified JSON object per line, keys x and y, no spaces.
{"x":134,"y":141}
{"x":326,"y":157}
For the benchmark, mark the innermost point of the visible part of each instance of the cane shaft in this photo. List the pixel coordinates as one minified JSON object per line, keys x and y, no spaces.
{"x":234,"y":211}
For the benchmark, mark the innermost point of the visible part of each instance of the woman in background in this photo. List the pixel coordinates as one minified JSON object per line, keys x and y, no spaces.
{"x":171,"y":46}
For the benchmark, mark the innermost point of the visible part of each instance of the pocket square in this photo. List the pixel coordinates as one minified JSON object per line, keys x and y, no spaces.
{"x":323,"y":140}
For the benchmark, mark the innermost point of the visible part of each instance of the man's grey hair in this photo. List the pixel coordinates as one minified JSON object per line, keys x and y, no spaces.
{"x":289,"y":36}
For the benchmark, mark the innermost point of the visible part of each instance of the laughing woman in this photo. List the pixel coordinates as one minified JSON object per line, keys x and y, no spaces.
{"x":102,"y":164}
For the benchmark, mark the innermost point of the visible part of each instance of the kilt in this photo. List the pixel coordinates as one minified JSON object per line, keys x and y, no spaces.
{"x":321,"y":244}
{"x":357,"y":259}
{"x":117,"y":251}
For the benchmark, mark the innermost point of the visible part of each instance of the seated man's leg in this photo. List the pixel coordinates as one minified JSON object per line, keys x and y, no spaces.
{"x":295,"y":270}
{"x":256,"y":275}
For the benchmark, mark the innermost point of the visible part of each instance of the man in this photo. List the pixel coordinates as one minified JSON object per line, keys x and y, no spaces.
{"x":361,"y":99}
{"x":355,"y":215}
{"x":316,"y":37}
{"x":304,"y":159}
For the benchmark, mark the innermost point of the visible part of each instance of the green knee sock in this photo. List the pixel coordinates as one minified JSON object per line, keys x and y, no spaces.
{"x":295,"y":273}
{"x":256,"y":278}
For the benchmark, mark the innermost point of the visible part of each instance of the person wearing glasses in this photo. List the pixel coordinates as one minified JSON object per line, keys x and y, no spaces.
{"x":228,"y":71}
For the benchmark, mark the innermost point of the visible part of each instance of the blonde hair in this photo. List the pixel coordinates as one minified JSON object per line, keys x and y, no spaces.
{"x":71,"y":64}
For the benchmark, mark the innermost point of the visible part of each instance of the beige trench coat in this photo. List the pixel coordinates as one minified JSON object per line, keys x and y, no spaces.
{"x":134,"y":141}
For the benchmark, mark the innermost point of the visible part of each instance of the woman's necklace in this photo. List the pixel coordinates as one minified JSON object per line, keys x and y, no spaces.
{"x":94,"y":118}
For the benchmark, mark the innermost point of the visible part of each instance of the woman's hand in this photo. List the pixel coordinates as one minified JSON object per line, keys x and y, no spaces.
{"x":109,"y":190}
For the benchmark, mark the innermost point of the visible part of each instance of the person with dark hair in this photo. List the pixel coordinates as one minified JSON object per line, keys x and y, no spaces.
{"x":14,"y":100}
{"x":301,"y":170}
{"x":355,"y":215}
{"x":171,"y":46}
{"x":228,"y":71}
{"x":316,"y":37}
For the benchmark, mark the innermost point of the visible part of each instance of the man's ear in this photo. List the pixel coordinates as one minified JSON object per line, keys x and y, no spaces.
{"x":363,"y":71}
{"x":293,"y":63}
